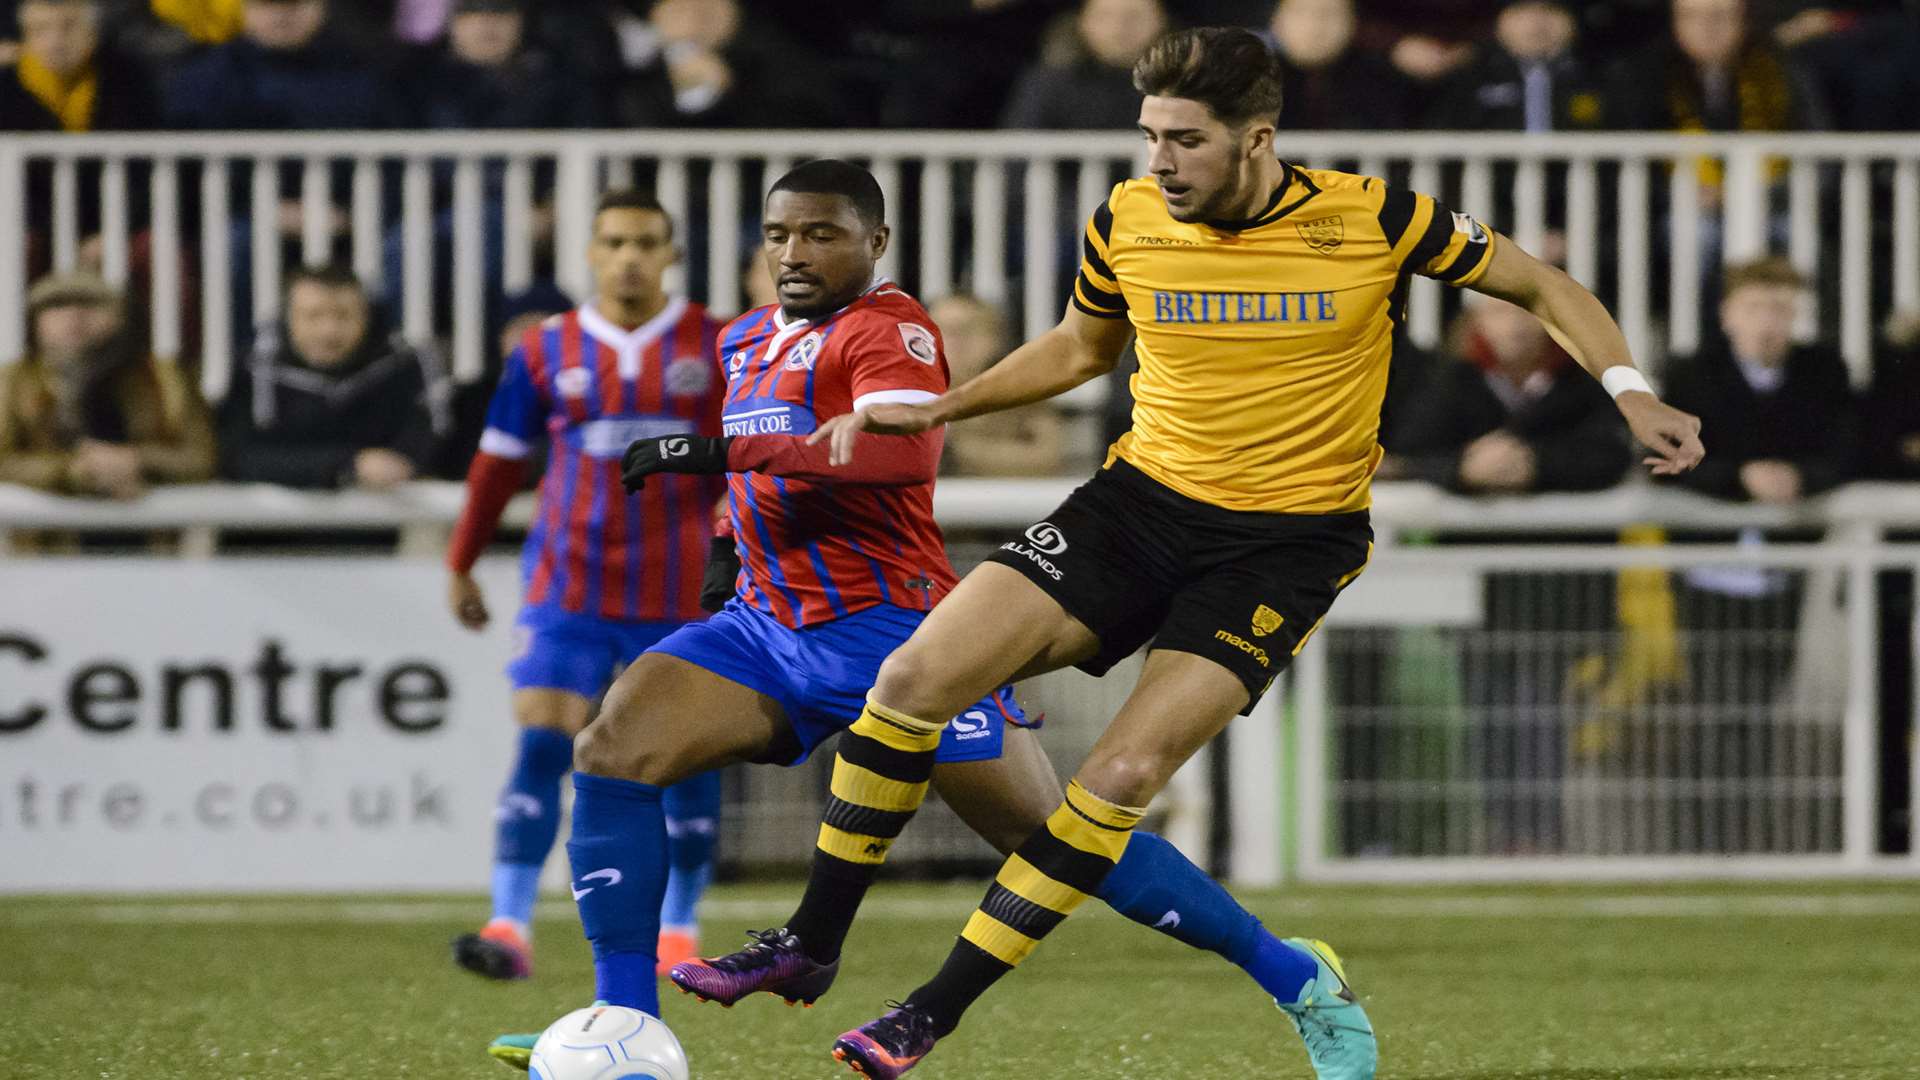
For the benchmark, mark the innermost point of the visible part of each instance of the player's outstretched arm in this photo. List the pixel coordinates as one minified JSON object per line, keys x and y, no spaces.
{"x":1080,"y":348}
{"x":1580,"y":323}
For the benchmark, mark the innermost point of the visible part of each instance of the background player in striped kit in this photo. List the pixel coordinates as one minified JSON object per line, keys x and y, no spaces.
{"x":607,"y":575}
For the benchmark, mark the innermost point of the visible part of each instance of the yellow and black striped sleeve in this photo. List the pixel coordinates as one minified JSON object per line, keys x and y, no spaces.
{"x":1095,"y":290}
{"x":1430,"y":240}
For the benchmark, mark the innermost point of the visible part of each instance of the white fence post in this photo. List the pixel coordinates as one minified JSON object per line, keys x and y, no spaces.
{"x":1856,"y":270}
{"x":1860,"y":754}
{"x":1253,"y":777}
{"x":13,"y":253}
{"x":1312,"y":786}
{"x":573,"y":199}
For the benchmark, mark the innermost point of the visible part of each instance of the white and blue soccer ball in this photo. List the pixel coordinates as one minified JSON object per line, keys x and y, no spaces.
{"x":608,"y":1042}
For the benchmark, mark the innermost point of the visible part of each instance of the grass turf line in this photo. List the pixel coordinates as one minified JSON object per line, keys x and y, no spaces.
{"x":1691,"y":993}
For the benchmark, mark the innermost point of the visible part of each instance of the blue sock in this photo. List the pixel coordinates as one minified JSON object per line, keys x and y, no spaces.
{"x":619,"y":856}
{"x":1156,"y":886}
{"x":693,"y":822}
{"x":527,"y":820}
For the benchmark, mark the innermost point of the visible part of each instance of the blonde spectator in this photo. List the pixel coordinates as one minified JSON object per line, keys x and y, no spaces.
{"x":1020,"y":442}
{"x":85,"y":413}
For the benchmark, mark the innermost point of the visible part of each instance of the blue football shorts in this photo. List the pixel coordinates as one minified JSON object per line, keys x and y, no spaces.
{"x":581,"y":654}
{"x":821,"y":674}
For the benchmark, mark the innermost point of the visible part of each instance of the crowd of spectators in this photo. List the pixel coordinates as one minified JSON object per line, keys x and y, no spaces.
{"x":1506,"y":411}
{"x":330,"y":396}
{"x":116,"y":65}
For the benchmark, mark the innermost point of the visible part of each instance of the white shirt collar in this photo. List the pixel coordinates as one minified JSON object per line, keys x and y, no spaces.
{"x":628,"y":345}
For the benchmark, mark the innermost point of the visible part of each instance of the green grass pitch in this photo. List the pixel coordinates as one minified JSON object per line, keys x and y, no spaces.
{"x":1669,"y":983}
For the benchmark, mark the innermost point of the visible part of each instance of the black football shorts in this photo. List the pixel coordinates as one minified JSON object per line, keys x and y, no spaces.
{"x":1137,"y":561}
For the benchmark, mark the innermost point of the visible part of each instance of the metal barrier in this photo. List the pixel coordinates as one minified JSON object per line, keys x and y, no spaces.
{"x":997,"y":213}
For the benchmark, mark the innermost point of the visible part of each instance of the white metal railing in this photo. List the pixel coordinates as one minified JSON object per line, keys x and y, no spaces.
{"x":995,"y":212}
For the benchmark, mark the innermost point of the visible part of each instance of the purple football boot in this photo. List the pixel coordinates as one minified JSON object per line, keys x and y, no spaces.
{"x":774,"y":963}
{"x":886,"y":1048}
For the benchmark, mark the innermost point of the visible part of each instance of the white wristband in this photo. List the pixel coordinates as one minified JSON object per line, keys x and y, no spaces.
{"x":1620,"y":378}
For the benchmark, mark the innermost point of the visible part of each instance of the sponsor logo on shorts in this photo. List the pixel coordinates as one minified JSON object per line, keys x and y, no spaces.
{"x":1244,"y":646}
{"x":1047,"y":538}
{"x":1046,"y":565}
{"x":1266,"y":620}
{"x":972,"y":724}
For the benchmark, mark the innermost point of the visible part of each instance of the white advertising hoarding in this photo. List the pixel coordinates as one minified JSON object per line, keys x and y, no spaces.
{"x":248,"y":725}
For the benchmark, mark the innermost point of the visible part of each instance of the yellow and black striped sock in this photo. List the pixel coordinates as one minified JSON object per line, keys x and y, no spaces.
{"x":880,"y":777}
{"x":1053,"y":872}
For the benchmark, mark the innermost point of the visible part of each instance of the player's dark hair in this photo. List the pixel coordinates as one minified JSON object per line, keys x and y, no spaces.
{"x":326,"y":275}
{"x":831,"y":176}
{"x":631,"y":199}
{"x":1227,"y":69}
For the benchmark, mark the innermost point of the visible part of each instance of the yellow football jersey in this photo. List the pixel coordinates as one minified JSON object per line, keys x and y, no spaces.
{"x":1264,"y":344}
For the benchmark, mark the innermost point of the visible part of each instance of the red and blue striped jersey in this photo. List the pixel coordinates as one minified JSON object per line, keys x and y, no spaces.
{"x":593,"y":387}
{"x":812,"y":551}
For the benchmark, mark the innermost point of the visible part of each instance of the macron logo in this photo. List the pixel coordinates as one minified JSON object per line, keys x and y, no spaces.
{"x":609,"y":875}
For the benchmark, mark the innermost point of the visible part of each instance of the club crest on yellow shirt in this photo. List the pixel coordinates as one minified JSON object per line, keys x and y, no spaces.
{"x":1323,"y":235}
{"x":1266,"y":620}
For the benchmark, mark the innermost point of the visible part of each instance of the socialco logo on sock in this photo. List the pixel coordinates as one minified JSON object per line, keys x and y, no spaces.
{"x":609,"y":875}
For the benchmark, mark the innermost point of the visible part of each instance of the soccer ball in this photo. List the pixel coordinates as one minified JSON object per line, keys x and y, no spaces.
{"x":608,"y":1042}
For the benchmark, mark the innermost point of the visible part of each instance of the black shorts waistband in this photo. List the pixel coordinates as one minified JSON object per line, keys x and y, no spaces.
{"x":1129,"y":476}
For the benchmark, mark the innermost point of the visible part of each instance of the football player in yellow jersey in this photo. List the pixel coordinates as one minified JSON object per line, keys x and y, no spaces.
{"x":1262,"y":298}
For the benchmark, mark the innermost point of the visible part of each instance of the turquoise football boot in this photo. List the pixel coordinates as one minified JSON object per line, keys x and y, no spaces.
{"x":516,"y":1051}
{"x":1328,"y":1015}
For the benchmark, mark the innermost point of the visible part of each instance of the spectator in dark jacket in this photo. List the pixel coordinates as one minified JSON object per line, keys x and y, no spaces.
{"x":1427,"y":40}
{"x":1528,"y":78}
{"x":1514,"y":414}
{"x":1095,"y":90}
{"x":1867,"y":69}
{"x":486,"y":75}
{"x":285,"y":72}
{"x":1893,"y":409}
{"x":1779,"y":419}
{"x":697,"y":63}
{"x":1714,"y":72}
{"x":327,"y":400}
{"x":1330,"y":83}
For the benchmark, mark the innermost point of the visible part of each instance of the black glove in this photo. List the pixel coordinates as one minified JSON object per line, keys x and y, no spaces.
{"x":704,"y":454}
{"x":723,"y":570}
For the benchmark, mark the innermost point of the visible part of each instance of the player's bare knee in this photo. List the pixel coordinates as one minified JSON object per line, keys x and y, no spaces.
{"x":913,"y":681}
{"x":617,"y":747}
{"x":1131,"y":777}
